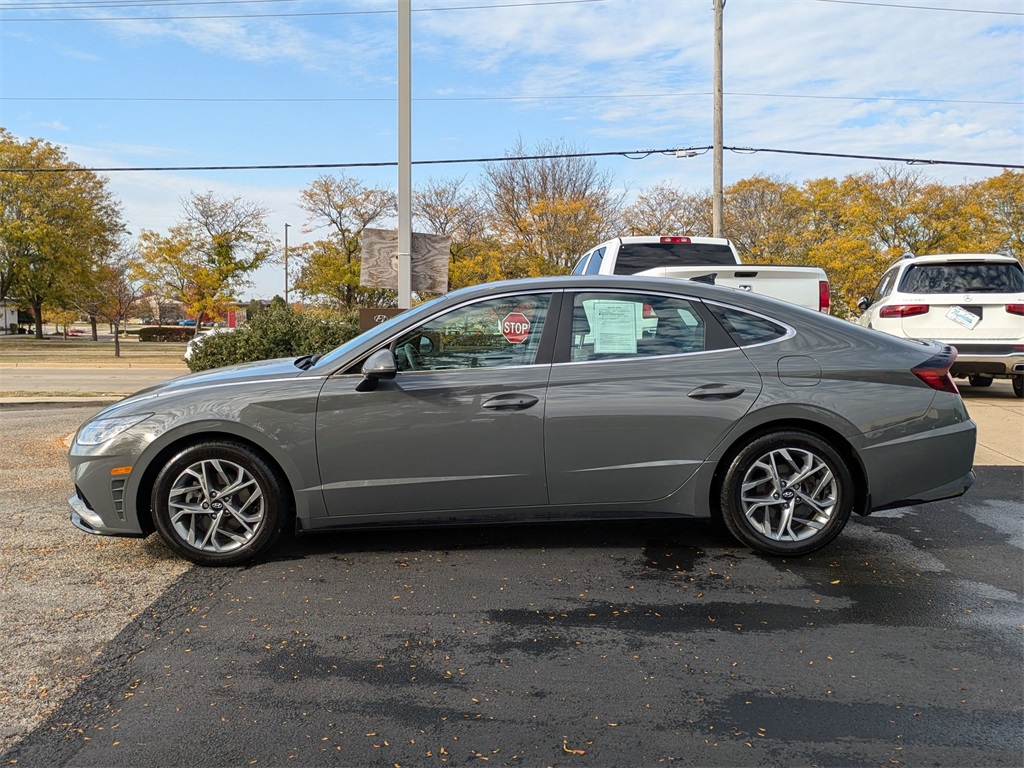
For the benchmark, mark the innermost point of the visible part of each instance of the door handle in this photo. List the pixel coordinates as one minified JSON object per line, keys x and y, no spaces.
{"x":716,"y":392}
{"x":510,"y":402}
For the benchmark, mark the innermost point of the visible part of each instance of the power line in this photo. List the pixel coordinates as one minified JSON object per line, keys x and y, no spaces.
{"x":89,"y":5}
{"x":629,"y":155}
{"x":305,"y":14}
{"x":374,"y":99}
{"x":921,"y":7}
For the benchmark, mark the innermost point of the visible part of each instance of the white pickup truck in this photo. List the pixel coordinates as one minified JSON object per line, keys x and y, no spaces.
{"x":709,"y":259}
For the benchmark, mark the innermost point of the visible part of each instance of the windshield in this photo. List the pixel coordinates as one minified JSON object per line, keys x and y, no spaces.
{"x":638,"y":257}
{"x":964,"y":277}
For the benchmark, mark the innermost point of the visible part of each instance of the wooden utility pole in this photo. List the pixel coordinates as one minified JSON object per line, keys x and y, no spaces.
{"x":717,"y":195}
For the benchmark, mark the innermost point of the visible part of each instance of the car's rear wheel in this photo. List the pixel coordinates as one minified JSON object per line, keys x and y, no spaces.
{"x":980,"y":381}
{"x":219,"y":503}
{"x":786,"y":493}
{"x":1018,"y":386}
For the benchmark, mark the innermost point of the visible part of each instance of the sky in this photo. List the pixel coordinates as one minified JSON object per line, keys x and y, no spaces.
{"x":170,"y":83}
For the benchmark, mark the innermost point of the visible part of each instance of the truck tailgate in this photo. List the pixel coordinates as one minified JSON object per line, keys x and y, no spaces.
{"x":797,"y":285}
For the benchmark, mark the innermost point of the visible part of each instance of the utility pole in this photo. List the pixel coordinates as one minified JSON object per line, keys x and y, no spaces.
{"x":286,"y":262}
{"x":717,"y":195}
{"x":404,"y":154}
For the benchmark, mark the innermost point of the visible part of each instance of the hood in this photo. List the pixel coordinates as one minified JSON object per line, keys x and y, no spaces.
{"x":281,"y":368}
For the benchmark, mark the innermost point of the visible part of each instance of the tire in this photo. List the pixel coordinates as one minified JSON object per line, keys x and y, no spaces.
{"x":786,"y":493}
{"x":980,"y":381}
{"x":1018,"y":386}
{"x":245,"y":497}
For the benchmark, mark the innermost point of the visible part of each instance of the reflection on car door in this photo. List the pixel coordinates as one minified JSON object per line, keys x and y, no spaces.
{"x":466,"y":435}
{"x":634,"y":409}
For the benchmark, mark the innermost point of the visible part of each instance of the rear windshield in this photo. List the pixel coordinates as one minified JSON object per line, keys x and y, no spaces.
{"x":964,"y":277}
{"x":638,"y":257}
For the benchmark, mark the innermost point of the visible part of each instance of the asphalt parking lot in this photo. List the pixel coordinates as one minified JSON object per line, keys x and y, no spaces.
{"x":607,"y":644}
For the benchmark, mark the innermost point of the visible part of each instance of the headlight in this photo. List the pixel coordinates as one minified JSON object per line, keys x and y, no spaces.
{"x":101,"y":430}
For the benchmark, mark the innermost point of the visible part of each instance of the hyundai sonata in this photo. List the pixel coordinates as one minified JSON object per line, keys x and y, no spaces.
{"x":568,"y":398}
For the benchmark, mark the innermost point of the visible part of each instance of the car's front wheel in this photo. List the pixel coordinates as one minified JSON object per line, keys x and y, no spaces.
{"x":786,"y":493}
{"x":219,"y":503}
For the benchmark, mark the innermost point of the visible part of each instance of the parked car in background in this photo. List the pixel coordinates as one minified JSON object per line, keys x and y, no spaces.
{"x":198,"y":339}
{"x":538,"y":400}
{"x":709,"y":259}
{"x":975,"y":302}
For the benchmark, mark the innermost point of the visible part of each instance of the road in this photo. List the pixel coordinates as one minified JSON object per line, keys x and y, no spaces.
{"x":608,"y":644}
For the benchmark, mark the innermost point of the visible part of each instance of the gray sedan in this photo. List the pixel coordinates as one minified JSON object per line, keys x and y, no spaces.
{"x":570,"y":398}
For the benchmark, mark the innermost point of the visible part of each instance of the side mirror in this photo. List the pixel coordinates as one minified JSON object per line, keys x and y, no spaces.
{"x":380,"y":365}
{"x":863,"y":303}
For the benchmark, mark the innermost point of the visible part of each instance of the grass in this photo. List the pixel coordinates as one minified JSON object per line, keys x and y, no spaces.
{"x":83,"y":351}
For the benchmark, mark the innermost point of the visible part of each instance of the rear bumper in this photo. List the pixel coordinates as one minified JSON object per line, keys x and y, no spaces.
{"x":921,"y":466}
{"x":996,"y":359}
{"x":948,"y":491}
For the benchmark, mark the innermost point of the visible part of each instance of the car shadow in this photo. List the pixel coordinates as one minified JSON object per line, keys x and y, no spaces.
{"x":694,"y":534}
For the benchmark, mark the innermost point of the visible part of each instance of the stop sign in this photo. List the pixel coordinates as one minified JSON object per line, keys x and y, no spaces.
{"x":515,"y":327}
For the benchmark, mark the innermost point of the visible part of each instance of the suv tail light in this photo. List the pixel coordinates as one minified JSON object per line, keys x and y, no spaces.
{"x":675,"y":239}
{"x":903,"y":310}
{"x":824,"y":296}
{"x":1015,"y":309}
{"x":649,"y":312}
{"x":935,"y":371}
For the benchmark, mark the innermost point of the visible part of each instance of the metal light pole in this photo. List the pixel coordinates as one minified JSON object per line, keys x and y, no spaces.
{"x":404,"y":154}
{"x":286,"y":262}
{"x":717,"y":195}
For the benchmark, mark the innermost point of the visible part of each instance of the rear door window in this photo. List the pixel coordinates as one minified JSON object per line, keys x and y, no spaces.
{"x":638,"y":257}
{"x":747,"y":329}
{"x":964,"y":277}
{"x":625,"y":325}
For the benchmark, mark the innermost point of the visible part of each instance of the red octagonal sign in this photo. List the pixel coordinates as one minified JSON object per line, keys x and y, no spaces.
{"x":515,"y":327}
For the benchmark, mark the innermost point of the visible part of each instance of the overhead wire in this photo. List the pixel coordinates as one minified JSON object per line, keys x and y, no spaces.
{"x":682,"y":152}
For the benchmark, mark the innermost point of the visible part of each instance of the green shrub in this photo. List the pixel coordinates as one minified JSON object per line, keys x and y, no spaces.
{"x":279,"y":331}
{"x":166,"y":333}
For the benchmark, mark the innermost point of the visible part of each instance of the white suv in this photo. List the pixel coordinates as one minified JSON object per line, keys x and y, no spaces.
{"x":973,"y":301}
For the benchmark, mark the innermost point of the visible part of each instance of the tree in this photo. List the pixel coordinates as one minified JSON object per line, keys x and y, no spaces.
{"x":762,"y":217}
{"x":207,"y":255}
{"x":115,"y":291}
{"x":1001,"y":199}
{"x":57,"y":221}
{"x":909,"y":215}
{"x":548,"y":210}
{"x":668,"y":210}
{"x":345,"y":207}
{"x":449,"y":208}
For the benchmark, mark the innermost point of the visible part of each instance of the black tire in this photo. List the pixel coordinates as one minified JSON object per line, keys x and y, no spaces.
{"x":1018,"y":386}
{"x":245,"y":496}
{"x":980,"y":381}
{"x":813,"y":481}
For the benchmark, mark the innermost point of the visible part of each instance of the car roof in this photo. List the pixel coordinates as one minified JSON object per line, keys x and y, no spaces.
{"x":947,"y":257}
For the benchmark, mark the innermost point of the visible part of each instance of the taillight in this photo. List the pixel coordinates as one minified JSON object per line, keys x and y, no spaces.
{"x":903,"y":310}
{"x":1015,"y":309}
{"x":824,"y":296}
{"x":649,"y":313}
{"x":675,"y":239}
{"x":935,"y":371}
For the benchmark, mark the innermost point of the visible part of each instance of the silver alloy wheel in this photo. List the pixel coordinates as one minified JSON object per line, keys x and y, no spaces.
{"x":789,"y":494}
{"x":216,"y":505}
